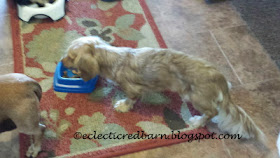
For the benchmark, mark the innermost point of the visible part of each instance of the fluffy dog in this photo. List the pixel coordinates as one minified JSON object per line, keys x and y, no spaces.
{"x":19,"y":101}
{"x":140,"y":70}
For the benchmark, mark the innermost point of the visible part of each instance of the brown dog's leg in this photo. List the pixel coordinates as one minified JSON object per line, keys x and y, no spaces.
{"x":133,"y":92}
{"x":27,"y":122}
{"x":37,"y":141}
{"x":35,"y":146}
{"x":205,"y":106}
{"x":124,"y":105}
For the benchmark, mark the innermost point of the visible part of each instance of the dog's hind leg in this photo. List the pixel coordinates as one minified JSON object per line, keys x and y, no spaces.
{"x":205,"y":107}
{"x":27,"y":121}
{"x":35,"y":147}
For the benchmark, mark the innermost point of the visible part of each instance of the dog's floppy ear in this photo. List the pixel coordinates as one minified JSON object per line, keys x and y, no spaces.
{"x":86,"y":63}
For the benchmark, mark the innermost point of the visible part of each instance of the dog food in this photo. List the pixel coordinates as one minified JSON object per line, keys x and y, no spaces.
{"x":74,"y":74}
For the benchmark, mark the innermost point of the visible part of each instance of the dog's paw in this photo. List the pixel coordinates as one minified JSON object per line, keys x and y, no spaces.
{"x":33,"y":151}
{"x":121,"y":106}
{"x":229,"y":85}
{"x":196,"y":121}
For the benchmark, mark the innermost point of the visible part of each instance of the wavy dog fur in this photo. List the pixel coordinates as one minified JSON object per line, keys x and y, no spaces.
{"x":140,"y":70}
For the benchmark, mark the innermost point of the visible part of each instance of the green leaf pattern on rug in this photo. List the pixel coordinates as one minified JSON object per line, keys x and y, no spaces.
{"x":96,"y":123}
{"x":69,"y":111}
{"x":54,"y":114}
{"x":51,"y":120}
{"x":34,"y":72}
{"x":60,"y":95}
{"x":150,"y":38}
{"x":81,"y":145}
{"x":155,"y":98}
{"x":63,"y":126}
{"x":154,"y":128}
{"x":122,"y":28}
{"x":94,"y":28}
{"x":44,"y":114}
{"x":105,"y":5}
{"x":49,"y":133}
{"x":49,"y":66}
{"x":124,"y":31}
{"x":46,"y":84}
{"x":132,"y":6}
{"x":125,"y":21}
{"x":52,"y":43}
{"x":28,"y":27}
{"x":91,"y":124}
{"x":114,"y":128}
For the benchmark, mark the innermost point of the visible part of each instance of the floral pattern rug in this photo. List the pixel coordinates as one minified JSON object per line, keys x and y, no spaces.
{"x":40,"y":44}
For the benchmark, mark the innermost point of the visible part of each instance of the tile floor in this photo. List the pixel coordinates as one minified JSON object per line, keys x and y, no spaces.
{"x":216,"y":33}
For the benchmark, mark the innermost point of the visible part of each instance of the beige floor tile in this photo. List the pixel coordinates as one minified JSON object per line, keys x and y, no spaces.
{"x":6,"y":49}
{"x":6,"y":68}
{"x":246,"y":55}
{"x":193,"y":16}
{"x":202,"y":149}
{"x":4,"y":8}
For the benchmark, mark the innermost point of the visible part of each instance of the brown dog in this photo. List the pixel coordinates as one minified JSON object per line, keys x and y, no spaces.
{"x":140,"y":70}
{"x":19,"y":101}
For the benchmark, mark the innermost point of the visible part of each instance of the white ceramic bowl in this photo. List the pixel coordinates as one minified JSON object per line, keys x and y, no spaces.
{"x":55,"y":11}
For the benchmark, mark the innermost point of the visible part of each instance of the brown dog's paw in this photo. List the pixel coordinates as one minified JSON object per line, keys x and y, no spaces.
{"x":121,"y":106}
{"x":33,"y":151}
{"x":196,"y":122}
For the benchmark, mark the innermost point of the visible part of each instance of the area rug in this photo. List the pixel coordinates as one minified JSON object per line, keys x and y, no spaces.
{"x":75,"y":121}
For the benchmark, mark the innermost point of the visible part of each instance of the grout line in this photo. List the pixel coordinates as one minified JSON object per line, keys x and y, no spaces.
{"x":263,"y":81}
{"x":11,"y":63}
{"x":213,"y":36}
{"x":228,"y":27}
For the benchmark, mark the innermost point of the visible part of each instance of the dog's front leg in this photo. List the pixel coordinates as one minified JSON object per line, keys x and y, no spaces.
{"x":124,"y":105}
{"x":133,"y":92}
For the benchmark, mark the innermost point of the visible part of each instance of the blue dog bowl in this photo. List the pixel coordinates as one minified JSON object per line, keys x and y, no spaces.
{"x":71,"y":85}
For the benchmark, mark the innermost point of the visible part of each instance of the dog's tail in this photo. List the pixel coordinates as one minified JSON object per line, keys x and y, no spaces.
{"x":234,"y":120}
{"x":36,"y":88}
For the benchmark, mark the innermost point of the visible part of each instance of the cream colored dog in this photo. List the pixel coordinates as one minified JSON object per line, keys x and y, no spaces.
{"x":19,"y":101}
{"x":138,"y":71}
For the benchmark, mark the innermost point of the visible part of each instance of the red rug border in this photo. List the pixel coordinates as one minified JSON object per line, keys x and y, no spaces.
{"x":15,"y":32}
{"x":110,"y":152}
